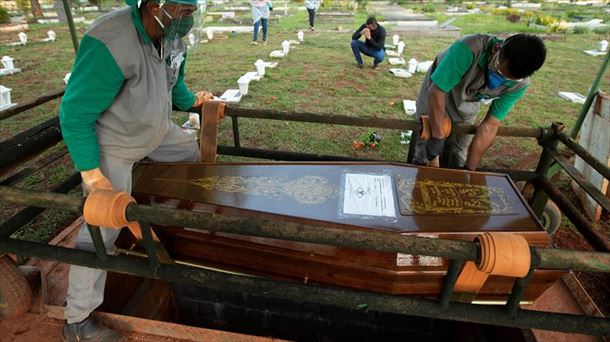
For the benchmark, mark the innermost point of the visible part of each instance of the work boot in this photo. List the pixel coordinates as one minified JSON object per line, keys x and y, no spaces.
{"x":359,"y":66}
{"x":89,"y":330}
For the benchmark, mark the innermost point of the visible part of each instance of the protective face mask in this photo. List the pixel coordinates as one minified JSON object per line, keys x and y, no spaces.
{"x":494,"y":79}
{"x":178,"y":28}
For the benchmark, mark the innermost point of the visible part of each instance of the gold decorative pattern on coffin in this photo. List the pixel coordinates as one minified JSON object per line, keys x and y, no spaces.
{"x":305,"y":190}
{"x":421,"y":197}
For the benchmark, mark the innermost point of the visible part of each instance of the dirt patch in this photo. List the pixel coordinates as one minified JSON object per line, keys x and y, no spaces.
{"x":597,"y":285}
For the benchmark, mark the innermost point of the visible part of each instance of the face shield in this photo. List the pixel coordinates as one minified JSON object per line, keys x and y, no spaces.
{"x":175,"y":18}
{"x":197,"y":34}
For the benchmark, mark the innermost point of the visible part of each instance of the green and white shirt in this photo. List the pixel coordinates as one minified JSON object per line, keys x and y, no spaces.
{"x":119,"y":97}
{"x":460,"y":71}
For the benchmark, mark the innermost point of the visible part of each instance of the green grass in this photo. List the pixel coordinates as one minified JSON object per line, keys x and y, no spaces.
{"x":318,"y":76}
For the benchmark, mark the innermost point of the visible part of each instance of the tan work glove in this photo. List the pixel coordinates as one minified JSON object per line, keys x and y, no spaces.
{"x":94,"y":180}
{"x":201,"y":97}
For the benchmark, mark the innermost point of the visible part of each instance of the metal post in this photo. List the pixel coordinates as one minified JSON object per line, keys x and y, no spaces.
{"x":449,"y":283}
{"x":592,"y":93}
{"x":68,"y":11}
{"x":517,"y":292}
{"x":153,"y":257}
{"x":235,"y":126}
{"x":539,"y":198}
{"x":98,"y":242}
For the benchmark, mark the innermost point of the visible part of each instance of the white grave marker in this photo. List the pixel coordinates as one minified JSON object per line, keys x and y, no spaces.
{"x":395,"y":39}
{"x":412,"y":65}
{"x":8,"y":66}
{"x":243,"y":83}
{"x":286,"y":47}
{"x":5,"y":98}
{"x":260,"y":67}
{"x":23,"y":38}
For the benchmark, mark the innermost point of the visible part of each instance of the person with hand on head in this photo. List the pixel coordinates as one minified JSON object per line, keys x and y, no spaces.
{"x":475,"y":69}
{"x":261,"y":9}
{"x":312,"y":6}
{"x":373,"y":45}
{"x":127,"y":78}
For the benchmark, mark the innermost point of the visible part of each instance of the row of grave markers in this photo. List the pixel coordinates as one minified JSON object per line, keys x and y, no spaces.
{"x":235,"y":95}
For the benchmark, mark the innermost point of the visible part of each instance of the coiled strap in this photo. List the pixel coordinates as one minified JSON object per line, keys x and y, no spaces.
{"x":502,"y":254}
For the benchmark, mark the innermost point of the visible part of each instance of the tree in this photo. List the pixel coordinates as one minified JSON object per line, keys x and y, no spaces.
{"x":36,"y":9}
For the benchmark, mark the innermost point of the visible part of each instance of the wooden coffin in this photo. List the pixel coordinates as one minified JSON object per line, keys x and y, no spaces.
{"x":398,"y":199}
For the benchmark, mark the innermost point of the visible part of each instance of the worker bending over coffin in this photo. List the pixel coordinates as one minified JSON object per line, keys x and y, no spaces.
{"x":127,"y":76}
{"x":472,"y":70}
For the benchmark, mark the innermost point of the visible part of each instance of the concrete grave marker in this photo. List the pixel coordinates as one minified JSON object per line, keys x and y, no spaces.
{"x":231,"y":96}
{"x":401,"y":72}
{"x":572,"y":97}
{"x":8,"y":66}
{"x":397,"y":61}
{"x":5,"y":98}
{"x":409,"y":106}
{"x":51,"y":37}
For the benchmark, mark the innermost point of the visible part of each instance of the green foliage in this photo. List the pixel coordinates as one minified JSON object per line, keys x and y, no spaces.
{"x":5,"y":18}
{"x":429,"y":8}
{"x":545,"y":20}
{"x":24,"y":6}
{"x":602,"y":30}
{"x":580,"y":29}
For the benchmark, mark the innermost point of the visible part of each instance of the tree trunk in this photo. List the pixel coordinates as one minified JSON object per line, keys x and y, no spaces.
{"x":36,"y":9}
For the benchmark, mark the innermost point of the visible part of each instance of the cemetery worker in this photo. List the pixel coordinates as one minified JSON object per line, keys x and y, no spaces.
{"x":373,"y":45}
{"x":117,"y":107}
{"x":474,"y":69}
{"x":260,"y":17}
{"x":312,"y":6}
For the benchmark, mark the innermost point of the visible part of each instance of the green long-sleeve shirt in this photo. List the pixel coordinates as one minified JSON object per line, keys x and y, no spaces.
{"x":120,"y":93}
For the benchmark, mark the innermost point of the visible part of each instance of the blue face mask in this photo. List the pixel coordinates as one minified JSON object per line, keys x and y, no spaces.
{"x":494,"y":79}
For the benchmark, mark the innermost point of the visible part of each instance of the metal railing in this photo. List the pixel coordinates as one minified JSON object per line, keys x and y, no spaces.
{"x":457,"y":251}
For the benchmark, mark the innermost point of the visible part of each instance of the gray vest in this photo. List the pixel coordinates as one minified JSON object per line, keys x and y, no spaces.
{"x":140,"y":115}
{"x":463,"y":102}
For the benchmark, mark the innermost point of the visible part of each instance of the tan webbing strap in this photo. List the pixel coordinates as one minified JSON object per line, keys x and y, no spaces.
{"x":212,"y":112}
{"x":106,"y":208}
{"x":502,"y":254}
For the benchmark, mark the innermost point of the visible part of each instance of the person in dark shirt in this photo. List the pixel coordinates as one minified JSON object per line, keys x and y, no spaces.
{"x":374,"y":44}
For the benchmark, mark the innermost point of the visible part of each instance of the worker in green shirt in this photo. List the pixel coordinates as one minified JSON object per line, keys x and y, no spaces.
{"x":127,"y":77}
{"x":475,"y":69}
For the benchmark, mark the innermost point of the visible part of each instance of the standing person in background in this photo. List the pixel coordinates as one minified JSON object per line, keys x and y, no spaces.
{"x":260,"y":17}
{"x":312,"y":6}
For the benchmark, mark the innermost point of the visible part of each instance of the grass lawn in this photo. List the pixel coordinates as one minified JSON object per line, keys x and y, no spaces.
{"x":317,"y":76}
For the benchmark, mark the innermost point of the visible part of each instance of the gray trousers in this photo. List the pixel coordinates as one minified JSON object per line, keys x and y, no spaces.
{"x":86,"y":285}
{"x":457,"y":149}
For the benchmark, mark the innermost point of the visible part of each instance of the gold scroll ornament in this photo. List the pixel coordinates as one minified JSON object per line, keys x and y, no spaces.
{"x":305,"y":190}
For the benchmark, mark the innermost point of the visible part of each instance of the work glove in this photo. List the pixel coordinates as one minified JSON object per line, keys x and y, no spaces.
{"x":94,"y":180}
{"x":201,"y":97}
{"x":434,"y":147}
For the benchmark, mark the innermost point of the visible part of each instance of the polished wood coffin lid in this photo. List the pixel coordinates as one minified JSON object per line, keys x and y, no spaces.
{"x":433,"y":202}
